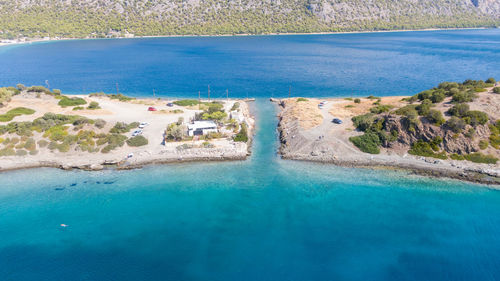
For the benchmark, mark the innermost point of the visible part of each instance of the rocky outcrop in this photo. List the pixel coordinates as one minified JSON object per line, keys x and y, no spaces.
{"x":452,"y":142}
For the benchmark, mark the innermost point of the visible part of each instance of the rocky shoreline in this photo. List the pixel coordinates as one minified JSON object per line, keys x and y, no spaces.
{"x":295,"y":145}
{"x":143,"y":159}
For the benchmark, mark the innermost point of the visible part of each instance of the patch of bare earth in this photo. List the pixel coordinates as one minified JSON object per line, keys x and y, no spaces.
{"x":306,"y":112}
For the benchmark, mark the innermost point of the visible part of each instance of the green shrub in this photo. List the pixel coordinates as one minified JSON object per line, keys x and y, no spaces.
{"x":483,"y":144}
{"x":56,"y":133}
{"x":30,"y":144}
{"x":380,"y":109}
{"x":21,"y":152}
{"x":437,"y":96}
{"x":99,"y":123}
{"x":112,"y":140}
{"x":368,"y":142}
{"x":122,"y":127}
{"x":470,"y":133}
{"x":93,"y":105}
{"x":302,"y":99}
{"x":43,"y":143}
{"x":435,"y":142}
{"x":455,"y":124}
{"x":490,"y":80}
{"x":459,"y":110}
{"x":496,"y":90}
{"x":461,"y":97}
{"x":425,"y":149}
{"x":476,"y":117}
{"x":235,"y":106}
{"x":18,"y":111}
{"x":33,"y":152}
{"x":7,"y":151}
{"x":481,"y":158}
{"x":363,"y":122}
{"x":65,"y":101}
{"x":407,"y":110}
{"x":455,"y":156}
{"x":436,"y":117}
{"x":242,"y":135}
{"x":39,"y":89}
{"x":372,"y":97}
{"x":356,"y":100}
{"x":424,"y":108}
{"x":187,"y":102}
{"x":78,"y":108}
{"x":137,"y":141}
{"x":120,"y":97}
{"x":349,"y":106}
{"x":207,"y":144}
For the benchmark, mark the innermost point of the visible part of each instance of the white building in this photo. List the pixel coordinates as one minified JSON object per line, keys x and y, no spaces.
{"x":198,"y":128}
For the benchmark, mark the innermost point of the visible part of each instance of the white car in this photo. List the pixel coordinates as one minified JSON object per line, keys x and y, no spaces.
{"x":136,"y":133}
{"x":143,"y":124}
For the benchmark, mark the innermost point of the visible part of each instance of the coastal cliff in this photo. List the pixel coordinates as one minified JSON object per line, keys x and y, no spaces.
{"x":119,"y":18}
{"x":399,"y":132}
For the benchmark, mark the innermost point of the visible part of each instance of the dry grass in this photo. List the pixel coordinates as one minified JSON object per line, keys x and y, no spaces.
{"x":340,"y":110}
{"x":307,"y":112}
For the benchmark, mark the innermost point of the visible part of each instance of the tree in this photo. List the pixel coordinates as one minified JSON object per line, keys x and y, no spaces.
{"x":5,"y":95}
{"x":437,"y":96}
{"x":459,"y":110}
{"x":436,"y":117}
{"x":455,"y":124}
{"x":476,"y":117}
{"x":175,"y":132}
{"x":490,"y":80}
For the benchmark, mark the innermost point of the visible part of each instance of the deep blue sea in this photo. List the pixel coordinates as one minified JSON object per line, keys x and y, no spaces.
{"x":398,"y":63}
{"x":263,"y":218}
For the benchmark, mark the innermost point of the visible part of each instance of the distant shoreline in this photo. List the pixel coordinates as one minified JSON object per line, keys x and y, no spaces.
{"x":245,"y":35}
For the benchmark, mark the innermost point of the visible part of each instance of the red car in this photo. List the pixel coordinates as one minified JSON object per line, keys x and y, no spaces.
{"x":151,"y":108}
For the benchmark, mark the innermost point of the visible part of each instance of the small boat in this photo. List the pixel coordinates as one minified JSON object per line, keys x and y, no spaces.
{"x":64,"y":225}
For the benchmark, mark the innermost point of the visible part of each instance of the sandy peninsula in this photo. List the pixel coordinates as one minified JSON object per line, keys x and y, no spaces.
{"x":83,"y":142}
{"x":307,"y":133}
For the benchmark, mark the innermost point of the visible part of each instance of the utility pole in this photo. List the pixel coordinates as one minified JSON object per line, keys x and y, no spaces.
{"x":154,"y":94}
{"x":208,"y":92}
{"x":47,"y":83}
{"x":117,"y":89}
{"x":227,"y":94}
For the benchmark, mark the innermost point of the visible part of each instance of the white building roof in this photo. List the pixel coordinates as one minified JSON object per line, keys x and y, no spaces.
{"x":202,"y":125}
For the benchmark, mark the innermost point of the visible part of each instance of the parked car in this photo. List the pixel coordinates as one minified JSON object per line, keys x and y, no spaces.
{"x":136,"y":133}
{"x":337,"y":121}
{"x":170,"y":104}
{"x":152,"y":108}
{"x":143,"y":124}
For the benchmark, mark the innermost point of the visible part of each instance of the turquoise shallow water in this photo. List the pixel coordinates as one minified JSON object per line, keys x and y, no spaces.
{"x":260,"y":219}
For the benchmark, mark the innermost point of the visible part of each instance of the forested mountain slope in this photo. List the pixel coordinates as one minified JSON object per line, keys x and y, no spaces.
{"x":98,"y":18}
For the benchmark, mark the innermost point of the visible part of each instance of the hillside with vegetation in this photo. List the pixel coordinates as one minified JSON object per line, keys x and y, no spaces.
{"x":108,"y":18}
{"x":458,"y":121}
